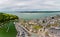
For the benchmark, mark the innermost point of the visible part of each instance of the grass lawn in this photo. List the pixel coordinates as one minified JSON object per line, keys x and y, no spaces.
{"x":11,"y":33}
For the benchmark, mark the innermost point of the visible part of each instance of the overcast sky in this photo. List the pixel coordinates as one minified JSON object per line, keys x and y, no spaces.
{"x":27,"y":5}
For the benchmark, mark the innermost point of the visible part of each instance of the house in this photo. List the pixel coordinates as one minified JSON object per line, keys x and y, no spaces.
{"x":54,"y":32}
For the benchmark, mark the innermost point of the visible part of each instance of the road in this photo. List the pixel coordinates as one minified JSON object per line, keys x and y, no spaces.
{"x":22,"y":30}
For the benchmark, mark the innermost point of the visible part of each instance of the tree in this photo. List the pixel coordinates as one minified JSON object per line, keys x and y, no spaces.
{"x":6,"y":18}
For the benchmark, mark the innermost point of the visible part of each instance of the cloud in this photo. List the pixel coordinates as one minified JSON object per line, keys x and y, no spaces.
{"x":21,"y":5}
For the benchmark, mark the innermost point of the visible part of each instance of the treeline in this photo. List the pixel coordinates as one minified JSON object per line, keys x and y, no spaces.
{"x":7,"y":17}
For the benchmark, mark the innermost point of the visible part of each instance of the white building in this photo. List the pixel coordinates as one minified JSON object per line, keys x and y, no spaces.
{"x":54,"y":32}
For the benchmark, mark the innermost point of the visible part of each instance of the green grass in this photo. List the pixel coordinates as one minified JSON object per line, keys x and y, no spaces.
{"x":37,"y":27}
{"x":11,"y":33}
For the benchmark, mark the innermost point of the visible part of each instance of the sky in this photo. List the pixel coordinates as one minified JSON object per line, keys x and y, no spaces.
{"x":29,"y":5}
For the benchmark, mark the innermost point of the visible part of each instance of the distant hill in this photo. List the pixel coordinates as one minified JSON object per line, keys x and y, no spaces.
{"x":31,"y":11}
{"x":37,"y":11}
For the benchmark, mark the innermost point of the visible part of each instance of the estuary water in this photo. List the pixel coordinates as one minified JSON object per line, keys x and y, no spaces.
{"x":33,"y":15}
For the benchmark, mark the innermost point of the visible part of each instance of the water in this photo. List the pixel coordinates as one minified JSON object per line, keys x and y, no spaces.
{"x":32,"y":15}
